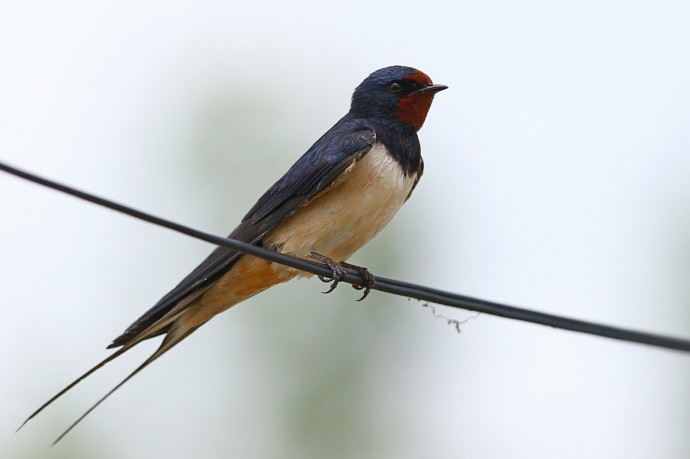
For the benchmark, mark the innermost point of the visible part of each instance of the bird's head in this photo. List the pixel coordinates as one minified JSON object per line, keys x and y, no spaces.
{"x":396,"y":93}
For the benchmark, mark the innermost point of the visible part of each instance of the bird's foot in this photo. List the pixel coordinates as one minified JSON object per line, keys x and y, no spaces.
{"x":369,"y":280}
{"x":338,"y":273}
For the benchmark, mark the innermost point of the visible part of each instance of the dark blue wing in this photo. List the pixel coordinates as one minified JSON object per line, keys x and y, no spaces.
{"x":313,"y":173}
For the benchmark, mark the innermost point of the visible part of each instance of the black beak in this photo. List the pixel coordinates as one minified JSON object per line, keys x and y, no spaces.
{"x":431,"y":89}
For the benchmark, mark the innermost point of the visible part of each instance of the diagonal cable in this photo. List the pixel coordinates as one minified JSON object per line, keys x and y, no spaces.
{"x":381,"y":283}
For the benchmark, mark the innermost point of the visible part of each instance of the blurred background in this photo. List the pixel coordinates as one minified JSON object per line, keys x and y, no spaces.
{"x":557,"y":178}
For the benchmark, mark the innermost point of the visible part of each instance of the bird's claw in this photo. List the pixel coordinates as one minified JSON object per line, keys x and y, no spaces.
{"x":338,"y":273}
{"x":369,"y":280}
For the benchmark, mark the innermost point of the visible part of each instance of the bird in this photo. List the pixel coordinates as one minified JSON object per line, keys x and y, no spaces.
{"x":333,"y":200}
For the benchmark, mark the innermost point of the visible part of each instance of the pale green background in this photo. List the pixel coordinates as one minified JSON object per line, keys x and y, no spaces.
{"x":557,"y":177}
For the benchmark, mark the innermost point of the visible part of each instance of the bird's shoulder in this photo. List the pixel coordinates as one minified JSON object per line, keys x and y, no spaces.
{"x":318,"y":168}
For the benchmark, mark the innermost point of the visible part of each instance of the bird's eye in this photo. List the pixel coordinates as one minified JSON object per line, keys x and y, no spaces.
{"x":395,"y":87}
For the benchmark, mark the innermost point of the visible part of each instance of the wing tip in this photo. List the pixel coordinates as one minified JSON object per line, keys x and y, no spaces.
{"x":116,"y":343}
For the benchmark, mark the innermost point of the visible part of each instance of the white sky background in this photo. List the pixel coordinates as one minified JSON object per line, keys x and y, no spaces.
{"x":557,"y":178}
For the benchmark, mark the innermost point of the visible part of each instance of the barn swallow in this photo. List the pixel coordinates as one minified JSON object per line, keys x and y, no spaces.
{"x":331,"y":202}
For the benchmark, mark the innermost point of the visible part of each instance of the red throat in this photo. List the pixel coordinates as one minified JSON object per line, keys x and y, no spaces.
{"x":413,"y":109}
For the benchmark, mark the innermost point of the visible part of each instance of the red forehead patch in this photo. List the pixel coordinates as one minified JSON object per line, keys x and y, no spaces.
{"x":419,"y":77}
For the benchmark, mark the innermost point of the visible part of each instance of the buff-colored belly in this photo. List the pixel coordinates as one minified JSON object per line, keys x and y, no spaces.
{"x":336,"y":224}
{"x":349,"y":215}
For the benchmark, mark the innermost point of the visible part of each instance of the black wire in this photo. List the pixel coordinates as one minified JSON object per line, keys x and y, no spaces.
{"x":385,"y":285}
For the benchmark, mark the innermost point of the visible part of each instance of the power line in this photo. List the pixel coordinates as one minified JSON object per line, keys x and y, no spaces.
{"x":381,"y":283}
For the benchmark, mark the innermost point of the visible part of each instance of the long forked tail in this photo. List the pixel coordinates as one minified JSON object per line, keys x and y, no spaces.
{"x":112,"y":356}
{"x":171,"y":339}
{"x":174,"y":335}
